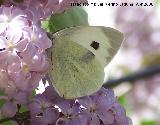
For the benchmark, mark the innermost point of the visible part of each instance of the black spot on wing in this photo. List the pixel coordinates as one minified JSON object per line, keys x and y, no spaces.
{"x":94,"y":45}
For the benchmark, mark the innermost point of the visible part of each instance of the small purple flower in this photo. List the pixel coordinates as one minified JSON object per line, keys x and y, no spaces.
{"x":99,"y":107}
{"x":37,"y":63}
{"x":8,"y":54}
{"x":42,"y":9}
{"x":71,"y":114}
{"x":9,"y":109}
{"x":18,"y":77}
{"x":21,"y":97}
{"x":38,"y":37}
{"x":51,"y":95}
{"x":43,"y":111}
{"x":3,"y":79}
{"x":11,"y":42}
{"x":12,"y":17}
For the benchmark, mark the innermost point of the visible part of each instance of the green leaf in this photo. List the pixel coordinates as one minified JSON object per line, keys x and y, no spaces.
{"x":148,"y":122}
{"x":32,"y":94}
{"x":1,"y":2}
{"x":23,"y":109}
{"x":1,"y":93}
{"x":157,"y":3}
{"x":122,"y":100}
{"x":151,"y":60}
{"x":2,"y":101}
{"x":75,"y":16}
{"x":7,"y":123}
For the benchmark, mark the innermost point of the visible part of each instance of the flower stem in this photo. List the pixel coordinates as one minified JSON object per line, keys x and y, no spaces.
{"x":19,"y":117}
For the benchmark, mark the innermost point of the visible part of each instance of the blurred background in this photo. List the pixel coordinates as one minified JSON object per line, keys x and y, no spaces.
{"x":140,"y":50}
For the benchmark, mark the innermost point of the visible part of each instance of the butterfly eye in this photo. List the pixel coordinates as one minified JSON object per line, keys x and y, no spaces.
{"x":95,"y":45}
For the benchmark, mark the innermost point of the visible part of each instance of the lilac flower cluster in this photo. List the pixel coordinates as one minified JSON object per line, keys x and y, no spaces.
{"x":22,"y":55}
{"x":23,"y":64}
{"x":101,"y":108}
{"x":22,"y":49}
{"x":41,"y":9}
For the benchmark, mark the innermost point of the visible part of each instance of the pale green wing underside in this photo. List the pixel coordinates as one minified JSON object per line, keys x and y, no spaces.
{"x":78,"y":58}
